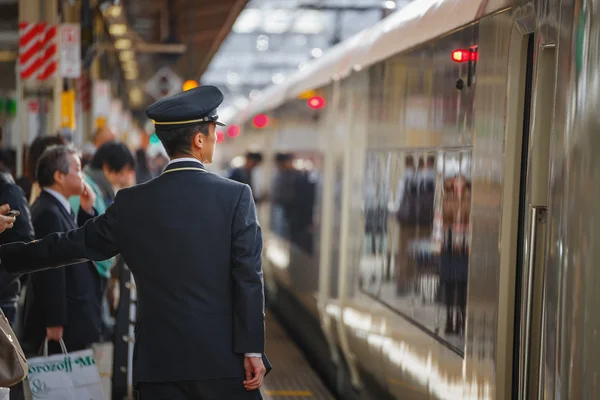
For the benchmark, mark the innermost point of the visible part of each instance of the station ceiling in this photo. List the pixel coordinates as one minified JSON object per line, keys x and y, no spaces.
{"x":200,"y":26}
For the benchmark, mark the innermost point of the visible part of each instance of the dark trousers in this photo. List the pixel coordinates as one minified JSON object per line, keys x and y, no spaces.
{"x":215,"y":389}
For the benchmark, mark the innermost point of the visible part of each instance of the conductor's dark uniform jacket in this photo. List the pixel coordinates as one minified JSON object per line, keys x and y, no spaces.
{"x":193,"y":243}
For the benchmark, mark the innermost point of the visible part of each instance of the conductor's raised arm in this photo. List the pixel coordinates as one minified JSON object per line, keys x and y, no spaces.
{"x":96,"y":241}
{"x":249,"y":321}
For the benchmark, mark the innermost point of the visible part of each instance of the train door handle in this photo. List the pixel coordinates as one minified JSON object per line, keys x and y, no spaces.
{"x":537,"y":218}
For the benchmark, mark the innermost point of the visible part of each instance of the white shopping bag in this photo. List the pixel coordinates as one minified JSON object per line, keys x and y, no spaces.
{"x":67,"y":376}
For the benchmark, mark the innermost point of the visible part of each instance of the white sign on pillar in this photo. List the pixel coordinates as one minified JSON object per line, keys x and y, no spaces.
{"x":115,"y":118}
{"x":70,"y":51}
{"x":101,"y":99}
{"x":164,"y":83}
{"x":33,"y":122}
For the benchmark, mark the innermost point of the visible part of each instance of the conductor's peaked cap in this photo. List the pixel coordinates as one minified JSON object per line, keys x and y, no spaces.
{"x":187,"y":108}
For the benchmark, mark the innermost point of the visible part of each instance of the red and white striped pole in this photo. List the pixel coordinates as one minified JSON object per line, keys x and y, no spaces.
{"x":37,"y":72}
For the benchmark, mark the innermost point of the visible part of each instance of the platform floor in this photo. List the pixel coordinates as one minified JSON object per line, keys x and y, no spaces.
{"x":292,"y":378}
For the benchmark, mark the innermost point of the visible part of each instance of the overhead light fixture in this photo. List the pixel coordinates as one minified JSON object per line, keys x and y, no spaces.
{"x":189,"y":84}
{"x":278,"y":78}
{"x":262,"y":43}
{"x":117,"y":29}
{"x":136,"y":97}
{"x":130,"y":67}
{"x":126,"y":55}
{"x":8,"y":55}
{"x":233,"y":78}
{"x":123,"y":44}
{"x":316,"y":52}
{"x":254,"y":94}
{"x":115,"y":11}
{"x":131,"y":75}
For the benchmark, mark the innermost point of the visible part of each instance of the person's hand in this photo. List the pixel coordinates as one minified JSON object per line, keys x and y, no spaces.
{"x":87,"y":199}
{"x":54,"y":333}
{"x":5,"y":222}
{"x":255,"y":372}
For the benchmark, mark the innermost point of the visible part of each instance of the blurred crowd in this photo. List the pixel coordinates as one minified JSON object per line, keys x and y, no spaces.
{"x":60,"y":189}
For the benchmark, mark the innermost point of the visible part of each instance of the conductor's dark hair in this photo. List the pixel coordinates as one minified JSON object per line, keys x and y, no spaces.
{"x":115,"y":155}
{"x":178,"y":141}
{"x":54,"y":158}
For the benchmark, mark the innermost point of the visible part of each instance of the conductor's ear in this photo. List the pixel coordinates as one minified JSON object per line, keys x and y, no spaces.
{"x":199,"y":140}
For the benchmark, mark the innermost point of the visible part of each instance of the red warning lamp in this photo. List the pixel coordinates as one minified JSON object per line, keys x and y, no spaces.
{"x":260,"y":121}
{"x":464,"y":55}
{"x":316,"y":102}
{"x":220,"y":136}
{"x":233,"y":130}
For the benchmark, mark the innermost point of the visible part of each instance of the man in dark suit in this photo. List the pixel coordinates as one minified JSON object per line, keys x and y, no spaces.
{"x":193,"y":243}
{"x":243,"y":174}
{"x":13,"y":196}
{"x":61,"y":303}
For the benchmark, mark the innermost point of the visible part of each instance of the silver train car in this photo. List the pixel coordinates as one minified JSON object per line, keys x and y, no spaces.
{"x":435,"y":233}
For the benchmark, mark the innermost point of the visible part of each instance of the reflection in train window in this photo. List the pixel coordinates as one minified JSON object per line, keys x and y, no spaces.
{"x":293,"y":201}
{"x":416,"y":237}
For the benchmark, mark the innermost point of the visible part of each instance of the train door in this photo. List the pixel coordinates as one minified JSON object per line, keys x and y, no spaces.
{"x":531,"y":89}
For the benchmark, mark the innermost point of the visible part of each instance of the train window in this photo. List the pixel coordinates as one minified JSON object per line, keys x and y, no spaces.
{"x":416,"y":243}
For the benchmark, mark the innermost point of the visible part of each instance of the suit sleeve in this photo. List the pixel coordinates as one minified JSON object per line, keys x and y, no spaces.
{"x":50,"y":284}
{"x":22,"y":231}
{"x":96,"y":241}
{"x":249,"y":317}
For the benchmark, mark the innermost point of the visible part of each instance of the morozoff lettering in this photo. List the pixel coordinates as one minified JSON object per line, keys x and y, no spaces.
{"x":64,"y":365}
{"x":87,"y":361}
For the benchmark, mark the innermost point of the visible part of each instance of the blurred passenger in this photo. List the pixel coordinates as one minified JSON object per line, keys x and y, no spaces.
{"x":87,"y":153}
{"x":455,"y":251}
{"x":61,"y":303}
{"x":12,"y":198}
{"x":157,"y":160}
{"x":426,"y":178}
{"x":27,"y":181}
{"x":111,"y":169}
{"x":142,"y":170}
{"x":243,"y":174}
{"x":415,"y":205}
{"x":103,"y":135}
{"x":283,"y":193}
{"x":406,"y":203}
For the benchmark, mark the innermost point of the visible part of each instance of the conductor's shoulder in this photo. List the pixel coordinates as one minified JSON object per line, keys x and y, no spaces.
{"x":228,"y":184}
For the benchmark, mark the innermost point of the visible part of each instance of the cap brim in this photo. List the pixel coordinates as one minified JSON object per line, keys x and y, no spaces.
{"x":220,"y":123}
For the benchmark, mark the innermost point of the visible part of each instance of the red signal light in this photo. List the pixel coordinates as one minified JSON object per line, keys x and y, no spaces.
{"x":220,"y":136}
{"x":316,"y":102}
{"x":260,"y":121}
{"x":233,"y":130}
{"x":464,"y":55}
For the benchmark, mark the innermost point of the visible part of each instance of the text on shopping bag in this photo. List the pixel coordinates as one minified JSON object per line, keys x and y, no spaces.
{"x":66,"y":364}
{"x":65,"y":376}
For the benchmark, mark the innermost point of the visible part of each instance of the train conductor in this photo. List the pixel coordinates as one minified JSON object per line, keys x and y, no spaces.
{"x":193,"y":244}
